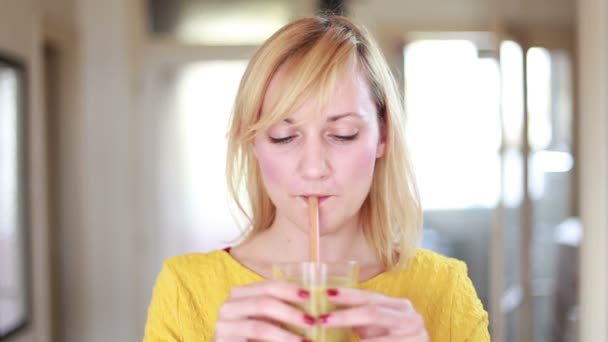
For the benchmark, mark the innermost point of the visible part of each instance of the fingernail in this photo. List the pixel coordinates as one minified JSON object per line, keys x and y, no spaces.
{"x":306,"y":340}
{"x":323,"y":318}
{"x":303,"y":293}
{"x":308,"y":319}
{"x":332,"y":292}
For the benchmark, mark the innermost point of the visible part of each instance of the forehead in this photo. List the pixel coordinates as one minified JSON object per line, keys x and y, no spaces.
{"x":346,"y":91}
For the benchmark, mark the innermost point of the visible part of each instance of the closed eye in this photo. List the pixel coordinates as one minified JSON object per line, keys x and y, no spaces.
{"x":347,"y":137}
{"x":281,"y":140}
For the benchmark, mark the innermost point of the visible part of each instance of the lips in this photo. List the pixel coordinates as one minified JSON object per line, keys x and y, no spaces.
{"x":321,"y":198}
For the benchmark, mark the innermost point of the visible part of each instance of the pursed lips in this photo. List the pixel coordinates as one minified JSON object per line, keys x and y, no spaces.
{"x":321,"y":198}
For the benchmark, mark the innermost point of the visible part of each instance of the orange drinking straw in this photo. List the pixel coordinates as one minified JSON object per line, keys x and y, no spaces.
{"x":313,"y":229}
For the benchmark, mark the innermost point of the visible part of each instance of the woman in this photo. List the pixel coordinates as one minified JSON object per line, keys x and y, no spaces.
{"x":317,"y":114}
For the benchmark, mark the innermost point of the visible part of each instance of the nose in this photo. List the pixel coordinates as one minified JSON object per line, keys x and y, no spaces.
{"x":314,"y":164}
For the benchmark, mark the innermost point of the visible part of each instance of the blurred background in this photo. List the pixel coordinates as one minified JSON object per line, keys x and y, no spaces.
{"x":112,"y":139}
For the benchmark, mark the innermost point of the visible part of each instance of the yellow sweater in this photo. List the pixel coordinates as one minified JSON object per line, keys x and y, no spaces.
{"x":190,"y":289}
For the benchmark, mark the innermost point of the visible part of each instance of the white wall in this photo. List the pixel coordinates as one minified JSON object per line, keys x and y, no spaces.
{"x":109,"y":256}
{"x":20,"y":36}
{"x":64,"y":127}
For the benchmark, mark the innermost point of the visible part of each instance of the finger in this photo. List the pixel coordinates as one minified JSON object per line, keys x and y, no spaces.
{"x":368,"y":315}
{"x":395,"y":321}
{"x":252,"y":329}
{"x":282,"y":290}
{"x":265,"y":306}
{"x":357,"y":297}
{"x":370,"y":331}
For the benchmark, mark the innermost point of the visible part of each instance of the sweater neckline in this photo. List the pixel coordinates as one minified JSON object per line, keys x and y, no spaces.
{"x":366,"y":283}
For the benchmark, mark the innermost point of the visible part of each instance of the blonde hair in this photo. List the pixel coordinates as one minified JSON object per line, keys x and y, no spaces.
{"x":314,"y":50}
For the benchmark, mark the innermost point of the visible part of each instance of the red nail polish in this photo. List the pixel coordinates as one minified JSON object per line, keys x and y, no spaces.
{"x":323,"y":318}
{"x":332,"y":292}
{"x":303,"y":293}
{"x":308,"y":319}
{"x":306,"y":340}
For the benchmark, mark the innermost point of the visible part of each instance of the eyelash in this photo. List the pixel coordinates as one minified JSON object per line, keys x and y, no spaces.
{"x":281,"y":140}
{"x":343,"y":138}
{"x":347,"y":137}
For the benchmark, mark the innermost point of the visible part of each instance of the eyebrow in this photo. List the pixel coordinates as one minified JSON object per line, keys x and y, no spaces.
{"x":332,"y":118}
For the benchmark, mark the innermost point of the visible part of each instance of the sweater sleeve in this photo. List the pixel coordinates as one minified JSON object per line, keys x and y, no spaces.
{"x":468,"y":319}
{"x":163,"y":320}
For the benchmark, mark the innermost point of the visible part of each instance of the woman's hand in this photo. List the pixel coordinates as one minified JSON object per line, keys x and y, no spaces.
{"x":249,"y":313}
{"x":375,"y":317}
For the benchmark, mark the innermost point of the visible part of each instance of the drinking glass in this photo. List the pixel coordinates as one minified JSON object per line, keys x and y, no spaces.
{"x":317,"y":278}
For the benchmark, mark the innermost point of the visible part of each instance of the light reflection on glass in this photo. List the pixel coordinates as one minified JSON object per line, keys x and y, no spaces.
{"x":539,"y":98}
{"x":512,"y":79}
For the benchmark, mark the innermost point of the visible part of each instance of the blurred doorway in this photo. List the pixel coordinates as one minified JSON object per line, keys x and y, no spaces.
{"x":188,"y":105}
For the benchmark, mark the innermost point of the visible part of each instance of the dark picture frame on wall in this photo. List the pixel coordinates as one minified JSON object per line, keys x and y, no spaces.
{"x":15,"y":287}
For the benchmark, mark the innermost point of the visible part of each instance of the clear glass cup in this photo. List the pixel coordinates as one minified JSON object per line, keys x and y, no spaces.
{"x":317,"y":278}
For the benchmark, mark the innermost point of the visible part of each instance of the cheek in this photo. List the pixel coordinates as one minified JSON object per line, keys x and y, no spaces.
{"x":356,"y":168}
{"x":365,"y":161}
{"x":271,"y":167}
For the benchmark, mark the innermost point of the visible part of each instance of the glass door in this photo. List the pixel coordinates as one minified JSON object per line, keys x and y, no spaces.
{"x":452,"y":91}
{"x":489,"y":123}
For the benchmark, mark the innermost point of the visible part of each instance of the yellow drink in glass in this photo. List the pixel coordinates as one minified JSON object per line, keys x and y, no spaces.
{"x":317,"y":278}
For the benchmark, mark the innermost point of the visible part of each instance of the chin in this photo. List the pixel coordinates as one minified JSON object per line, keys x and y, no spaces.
{"x":330,"y":228}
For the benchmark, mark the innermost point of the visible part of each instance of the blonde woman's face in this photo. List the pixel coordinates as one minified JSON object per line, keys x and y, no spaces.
{"x":330,"y":154}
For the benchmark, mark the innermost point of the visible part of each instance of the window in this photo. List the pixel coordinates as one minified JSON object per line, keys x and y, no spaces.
{"x":13,"y":263}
